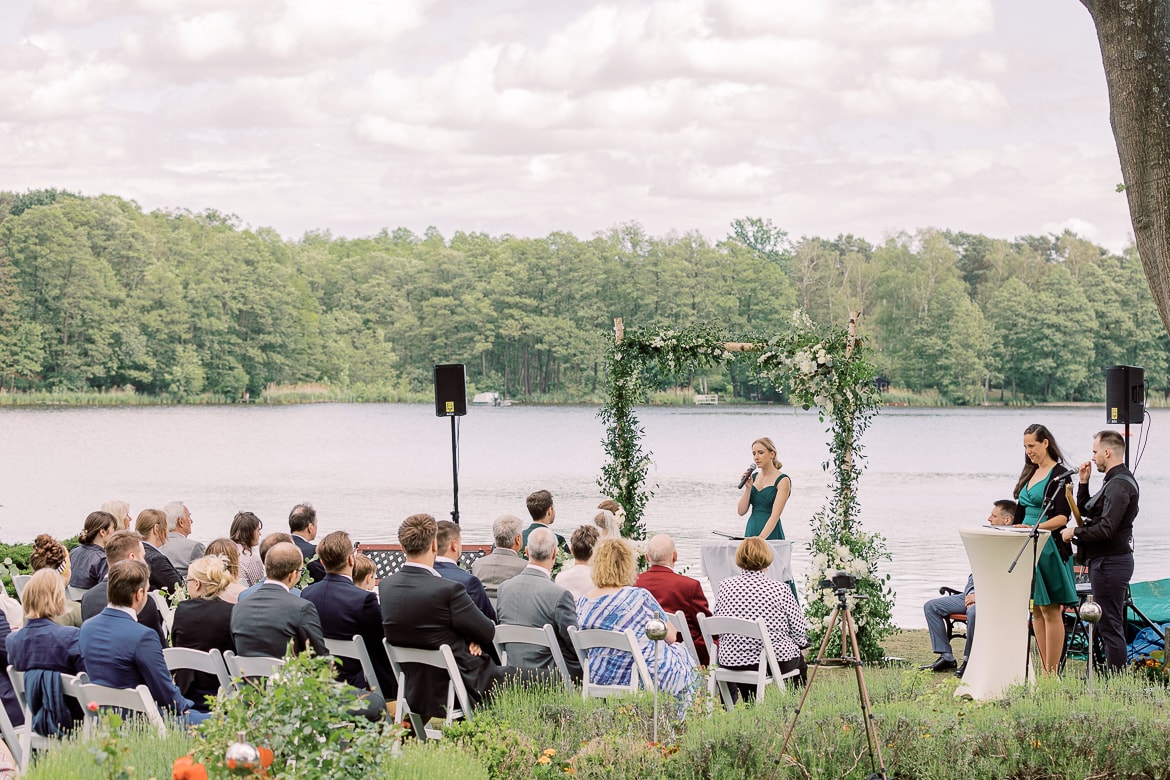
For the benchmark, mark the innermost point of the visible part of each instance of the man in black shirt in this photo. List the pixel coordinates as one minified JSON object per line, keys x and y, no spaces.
{"x":1106,"y":538}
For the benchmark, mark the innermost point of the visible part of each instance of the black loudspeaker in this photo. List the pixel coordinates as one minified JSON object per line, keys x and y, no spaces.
{"x":1125,"y":394}
{"x":451,"y":390}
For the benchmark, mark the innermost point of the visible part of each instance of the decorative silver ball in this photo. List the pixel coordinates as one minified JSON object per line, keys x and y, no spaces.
{"x":1090,"y":612}
{"x":655,"y":629}
{"x":242,"y":758}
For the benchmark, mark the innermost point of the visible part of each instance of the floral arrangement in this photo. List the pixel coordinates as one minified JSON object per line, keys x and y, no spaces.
{"x":818,"y":367}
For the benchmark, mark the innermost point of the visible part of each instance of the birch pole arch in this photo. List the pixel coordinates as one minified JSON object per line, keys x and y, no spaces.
{"x":817,"y":366}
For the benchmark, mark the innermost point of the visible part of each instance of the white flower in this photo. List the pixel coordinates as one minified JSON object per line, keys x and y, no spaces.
{"x":844,"y":553}
{"x":820,"y":561}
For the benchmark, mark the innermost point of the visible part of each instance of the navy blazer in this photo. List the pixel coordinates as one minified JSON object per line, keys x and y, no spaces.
{"x":124,"y":654}
{"x":43,"y":644}
{"x":454,"y":571}
{"x":309,"y":550}
{"x":270,"y":618}
{"x":346,"y":610}
{"x":96,"y":599}
{"x":162,"y":572}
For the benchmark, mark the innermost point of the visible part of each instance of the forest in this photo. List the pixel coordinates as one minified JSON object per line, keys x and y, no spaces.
{"x":97,"y":295}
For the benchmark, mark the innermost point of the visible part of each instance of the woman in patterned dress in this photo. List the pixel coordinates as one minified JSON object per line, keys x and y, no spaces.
{"x":245,"y":532}
{"x":615,"y":605}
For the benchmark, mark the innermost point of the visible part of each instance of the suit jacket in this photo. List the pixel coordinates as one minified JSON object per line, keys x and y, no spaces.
{"x":454,"y":571}
{"x":181,"y":550}
{"x":202,"y":624}
{"x":560,"y":539}
{"x":128,"y":654}
{"x":271,"y":617}
{"x":42,"y":644}
{"x":346,"y":610}
{"x":95,"y":600}
{"x":162,"y":572}
{"x":531,"y":598}
{"x":674,"y":592}
{"x":495,"y":567}
{"x":309,"y":550}
{"x":425,"y":611}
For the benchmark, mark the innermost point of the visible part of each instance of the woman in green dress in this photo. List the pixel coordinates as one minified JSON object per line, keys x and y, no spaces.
{"x":765,"y":492}
{"x":1041,"y":481}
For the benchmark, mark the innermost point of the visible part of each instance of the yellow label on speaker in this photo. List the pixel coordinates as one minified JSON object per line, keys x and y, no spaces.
{"x":1113,"y":416}
{"x":450,"y":407}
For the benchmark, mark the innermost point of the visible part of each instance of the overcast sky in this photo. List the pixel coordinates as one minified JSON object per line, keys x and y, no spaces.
{"x":532,"y":116}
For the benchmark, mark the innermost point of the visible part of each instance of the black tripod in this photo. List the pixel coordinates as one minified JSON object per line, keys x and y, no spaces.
{"x":848,"y":640}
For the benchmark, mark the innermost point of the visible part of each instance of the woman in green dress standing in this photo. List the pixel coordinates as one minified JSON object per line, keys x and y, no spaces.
{"x":765,"y":492}
{"x":1040,"y":482}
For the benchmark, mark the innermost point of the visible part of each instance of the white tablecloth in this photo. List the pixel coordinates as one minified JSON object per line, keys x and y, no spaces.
{"x":718,"y":561}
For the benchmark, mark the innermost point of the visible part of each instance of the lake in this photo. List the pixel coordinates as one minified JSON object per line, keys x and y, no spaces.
{"x":929,"y":472}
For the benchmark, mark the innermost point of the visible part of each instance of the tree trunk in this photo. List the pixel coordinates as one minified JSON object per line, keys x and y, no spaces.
{"x":1135,"y":50}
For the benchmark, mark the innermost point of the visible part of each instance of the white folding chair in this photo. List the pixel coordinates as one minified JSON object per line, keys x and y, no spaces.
{"x":208,"y":661}
{"x":242,"y":667}
{"x":75,"y":594}
{"x":442,"y":658}
{"x":137,"y":699}
{"x":26,"y":739}
{"x":766,"y":674}
{"x":165,"y":609}
{"x":626,"y":641}
{"x":356,"y":648}
{"x":18,"y":582}
{"x":545,"y":636}
{"x":679,"y":621}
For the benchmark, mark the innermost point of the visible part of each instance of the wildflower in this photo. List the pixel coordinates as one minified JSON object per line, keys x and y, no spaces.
{"x":570,"y":770}
{"x":544,"y":760}
{"x":92,"y":706}
{"x":550,"y":752}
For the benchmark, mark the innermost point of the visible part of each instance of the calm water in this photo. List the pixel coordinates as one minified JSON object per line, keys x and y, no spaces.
{"x":365,"y":467}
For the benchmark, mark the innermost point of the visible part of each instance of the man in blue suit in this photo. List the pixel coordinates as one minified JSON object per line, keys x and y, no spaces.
{"x":450,"y":541}
{"x":347,"y":610}
{"x":124,"y":654}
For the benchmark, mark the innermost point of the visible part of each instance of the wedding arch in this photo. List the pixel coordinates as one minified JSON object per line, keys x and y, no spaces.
{"x":817,"y":366}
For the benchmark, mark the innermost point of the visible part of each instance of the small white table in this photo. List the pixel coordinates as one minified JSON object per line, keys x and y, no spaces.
{"x":999,"y":653}
{"x":718,"y":561}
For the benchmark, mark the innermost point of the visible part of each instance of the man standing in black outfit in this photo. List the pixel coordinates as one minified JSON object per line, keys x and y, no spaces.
{"x":1106,"y":538}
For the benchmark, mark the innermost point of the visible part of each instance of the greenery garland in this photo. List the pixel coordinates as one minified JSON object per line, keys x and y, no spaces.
{"x":816,"y":366}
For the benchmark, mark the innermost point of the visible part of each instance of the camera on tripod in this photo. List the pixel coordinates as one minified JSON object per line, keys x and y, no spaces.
{"x":840,"y":581}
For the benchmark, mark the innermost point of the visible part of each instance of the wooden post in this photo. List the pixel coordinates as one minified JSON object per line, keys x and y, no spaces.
{"x":619,"y":330}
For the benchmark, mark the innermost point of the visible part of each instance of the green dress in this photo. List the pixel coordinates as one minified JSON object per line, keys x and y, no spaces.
{"x":762,"y":502}
{"x":1055,"y":583}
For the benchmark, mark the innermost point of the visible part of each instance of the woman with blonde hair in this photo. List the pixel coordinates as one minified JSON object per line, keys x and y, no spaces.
{"x":615,"y":604}
{"x":203,"y":622}
{"x":50,"y":554}
{"x":120,"y":511}
{"x":766,"y":491}
{"x":229,"y":551}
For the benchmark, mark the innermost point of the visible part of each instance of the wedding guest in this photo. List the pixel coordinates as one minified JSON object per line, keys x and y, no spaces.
{"x":88,"y":559}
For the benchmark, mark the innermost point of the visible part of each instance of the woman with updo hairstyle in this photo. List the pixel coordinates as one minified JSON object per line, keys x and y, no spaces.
{"x":245,"y":532}
{"x":88,"y":559}
{"x":203,"y":622}
{"x":615,"y":604}
{"x":766,"y":491}
{"x":50,"y":554}
{"x":228,"y":550}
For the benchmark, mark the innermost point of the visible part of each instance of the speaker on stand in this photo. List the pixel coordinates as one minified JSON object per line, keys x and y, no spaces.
{"x":1125,"y":398}
{"x":451,"y":401}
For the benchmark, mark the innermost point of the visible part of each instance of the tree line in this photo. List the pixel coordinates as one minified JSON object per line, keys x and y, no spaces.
{"x":95,"y":294}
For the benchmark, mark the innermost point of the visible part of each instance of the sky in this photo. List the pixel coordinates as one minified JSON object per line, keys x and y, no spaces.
{"x":526,"y":117}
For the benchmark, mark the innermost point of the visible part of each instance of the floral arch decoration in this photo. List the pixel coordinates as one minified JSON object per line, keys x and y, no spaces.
{"x":816,"y":366}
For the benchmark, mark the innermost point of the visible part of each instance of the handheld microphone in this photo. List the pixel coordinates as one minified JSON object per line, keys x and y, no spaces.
{"x":747,"y":476}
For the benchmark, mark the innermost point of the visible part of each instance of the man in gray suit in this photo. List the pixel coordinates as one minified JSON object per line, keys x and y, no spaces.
{"x":178,"y":546}
{"x":531,"y":598}
{"x":504,"y":562}
{"x":265,"y":622}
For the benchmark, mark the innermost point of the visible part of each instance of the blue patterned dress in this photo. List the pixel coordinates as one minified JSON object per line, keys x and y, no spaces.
{"x":631,"y":607}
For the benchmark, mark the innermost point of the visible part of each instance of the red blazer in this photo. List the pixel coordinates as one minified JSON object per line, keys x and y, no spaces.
{"x":674,"y":592}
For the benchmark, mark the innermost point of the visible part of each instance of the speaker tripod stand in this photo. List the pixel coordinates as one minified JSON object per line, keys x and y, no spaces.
{"x":842,"y":585}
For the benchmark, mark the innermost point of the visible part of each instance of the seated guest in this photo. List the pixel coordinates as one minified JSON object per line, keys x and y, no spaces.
{"x":7,"y":692}
{"x":674,"y":591}
{"x":121,"y":512}
{"x":753,"y":594}
{"x":450,"y":541}
{"x":615,"y":604}
{"x":269,"y":542}
{"x":203,"y":622}
{"x":302,"y":524}
{"x":265,"y":623}
{"x":152,"y":526}
{"x":531,"y":598}
{"x":88,"y":558}
{"x":346,"y":610}
{"x":123,"y":546}
{"x":245,"y":532}
{"x":124,"y":654}
{"x":48,"y":553}
{"x":937,"y":610}
{"x":578,"y":578}
{"x":226,"y":549}
{"x":365,"y":574}
{"x":543,"y":513}
{"x":44,"y":650}
{"x":504,"y":561}
{"x":178,"y":546}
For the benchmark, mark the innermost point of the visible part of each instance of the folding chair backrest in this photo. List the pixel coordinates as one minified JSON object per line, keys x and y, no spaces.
{"x":18,"y":582}
{"x":585,"y":640}
{"x":458,"y":702}
{"x":768,"y":671}
{"x":165,"y":609}
{"x":207,"y":661}
{"x":679,"y":621}
{"x":16,"y":738}
{"x":137,"y":699}
{"x":75,"y":594}
{"x":545,"y":636}
{"x":244,"y":666}
{"x":356,"y":648}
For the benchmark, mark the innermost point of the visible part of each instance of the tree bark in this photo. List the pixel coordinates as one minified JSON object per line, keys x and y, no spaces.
{"x":1135,"y":50}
